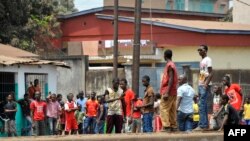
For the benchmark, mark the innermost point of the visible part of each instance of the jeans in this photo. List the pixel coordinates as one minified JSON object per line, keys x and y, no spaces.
{"x":52,"y":125}
{"x":203,"y":93}
{"x":40,"y":127}
{"x":29,"y":125}
{"x":89,"y":125}
{"x":147,"y":122}
{"x":185,"y":121}
{"x":99,"y":128}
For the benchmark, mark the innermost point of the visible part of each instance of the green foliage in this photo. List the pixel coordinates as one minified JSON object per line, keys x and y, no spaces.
{"x":31,"y":24}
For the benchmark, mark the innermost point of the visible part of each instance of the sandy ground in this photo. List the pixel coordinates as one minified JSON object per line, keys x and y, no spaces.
{"x":177,"y":136}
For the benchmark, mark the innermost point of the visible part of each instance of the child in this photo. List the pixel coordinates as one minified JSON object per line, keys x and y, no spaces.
{"x":216,"y":122}
{"x":71,"y":122}
{"x":136,"y":115}
{"x":157,"y":119}
{"x":61,"y":121}
{"x":247,"y":111}
{"x":196,"y":116}
{"x":79,"y":117}
{"x":231,"y":116}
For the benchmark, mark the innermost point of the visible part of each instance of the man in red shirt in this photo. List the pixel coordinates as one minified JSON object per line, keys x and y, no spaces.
{"x":33,"y":88}
{"x":128,"y":97}
{"x":71,"y":122}
{"x":234,"y":93}
{"x":168,"y":91}
{"x":91,"y":112}
{"x":38,"y":111}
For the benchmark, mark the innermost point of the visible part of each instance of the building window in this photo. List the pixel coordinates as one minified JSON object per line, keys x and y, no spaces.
{"x":194,"y":5}
{"x":179,"y":4}
{"x":43,"y":82}
{"x":7,"y":85}
{"x":222,"y":8}
{"x":169,"y":4}
{"x":207,"y":6}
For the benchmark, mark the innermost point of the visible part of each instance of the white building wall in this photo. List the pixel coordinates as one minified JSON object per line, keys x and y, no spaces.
{"x":241,"y":11}
{"x":20,"y":75}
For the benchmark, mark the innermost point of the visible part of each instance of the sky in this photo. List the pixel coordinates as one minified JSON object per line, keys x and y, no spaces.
{"x":88,"y":4}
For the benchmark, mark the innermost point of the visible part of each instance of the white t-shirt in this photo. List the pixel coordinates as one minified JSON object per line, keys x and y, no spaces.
{"x":204,"y":64}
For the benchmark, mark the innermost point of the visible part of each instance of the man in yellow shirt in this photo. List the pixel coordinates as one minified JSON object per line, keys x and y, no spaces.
{"x":247,"y":111}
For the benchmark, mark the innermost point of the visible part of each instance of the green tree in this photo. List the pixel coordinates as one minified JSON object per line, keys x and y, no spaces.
{"x":31,"y":24}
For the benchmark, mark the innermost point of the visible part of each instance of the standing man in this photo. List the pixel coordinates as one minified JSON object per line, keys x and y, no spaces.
{"x":10,"y":110}
{"x":38,"y":112}
{"x":53,"y":112}
{"x":148,"y":105}
{"x":128,"y":97}
{"x":34,"y":88}
{"x":168,"y":91}
{"x":185,"y":95}
{"x":114,"y":118}
{"x":206,"y":74}
{"x":233,"y":91}
{"x":91,"y":113}
{"x":25,"y":106}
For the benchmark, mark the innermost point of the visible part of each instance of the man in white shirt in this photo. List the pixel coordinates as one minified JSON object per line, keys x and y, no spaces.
{"x":185,"y":95}
{"x":206,"y":74}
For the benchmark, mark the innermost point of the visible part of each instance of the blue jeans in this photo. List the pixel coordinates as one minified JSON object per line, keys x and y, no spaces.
{"x":52,"y":125}
{"x":89,"y":125}
{"x":99,"y":128}
{"x":185,"y":121}
{"x":147,"y":122}
{"x":203,"y":93}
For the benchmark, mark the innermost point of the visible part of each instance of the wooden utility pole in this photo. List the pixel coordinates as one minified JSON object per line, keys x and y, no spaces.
{"x":136,"y":48}
{"x":115,"y":49}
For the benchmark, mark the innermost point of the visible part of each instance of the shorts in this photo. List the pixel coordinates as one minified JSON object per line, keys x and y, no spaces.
{"x":71,"y":125}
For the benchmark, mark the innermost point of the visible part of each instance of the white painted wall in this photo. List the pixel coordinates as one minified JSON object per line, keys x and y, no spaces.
{"x":241,"y":11}
{"x":20,"y":77}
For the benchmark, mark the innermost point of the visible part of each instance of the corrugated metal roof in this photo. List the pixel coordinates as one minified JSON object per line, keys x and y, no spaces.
{"x":6,"y":60}
{"x":13,"y":60}
{"x":142,"y":57}
{"x":189,"y":25}
{"x":7,"y":50}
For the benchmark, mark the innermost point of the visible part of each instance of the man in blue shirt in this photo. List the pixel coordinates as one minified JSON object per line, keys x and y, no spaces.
{"x":185,"y":95}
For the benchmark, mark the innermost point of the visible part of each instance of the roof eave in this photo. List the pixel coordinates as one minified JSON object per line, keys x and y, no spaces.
{"x":157,"y":23}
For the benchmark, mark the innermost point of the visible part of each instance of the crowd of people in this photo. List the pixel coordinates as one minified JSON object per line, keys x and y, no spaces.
{"x":177,"y":107}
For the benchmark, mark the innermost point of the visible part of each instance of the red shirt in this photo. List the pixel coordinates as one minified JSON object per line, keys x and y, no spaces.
{"x":32,"y":90}
{"x":129,"y":95}
{"x":137,"y":113}
{"x":165,"y":80}
{"x":235,"y":98}
{"x":69,"y":105}
{"x":92,"y":107}
{"x":39,"y":110}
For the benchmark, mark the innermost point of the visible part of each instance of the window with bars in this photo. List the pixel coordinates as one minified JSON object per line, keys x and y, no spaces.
{"x":7,"y":85}
{"x":43,"y":82}
{"x":179,"y":4}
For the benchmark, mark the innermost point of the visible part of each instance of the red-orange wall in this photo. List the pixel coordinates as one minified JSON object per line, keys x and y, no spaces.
{"x":74,"y":29}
